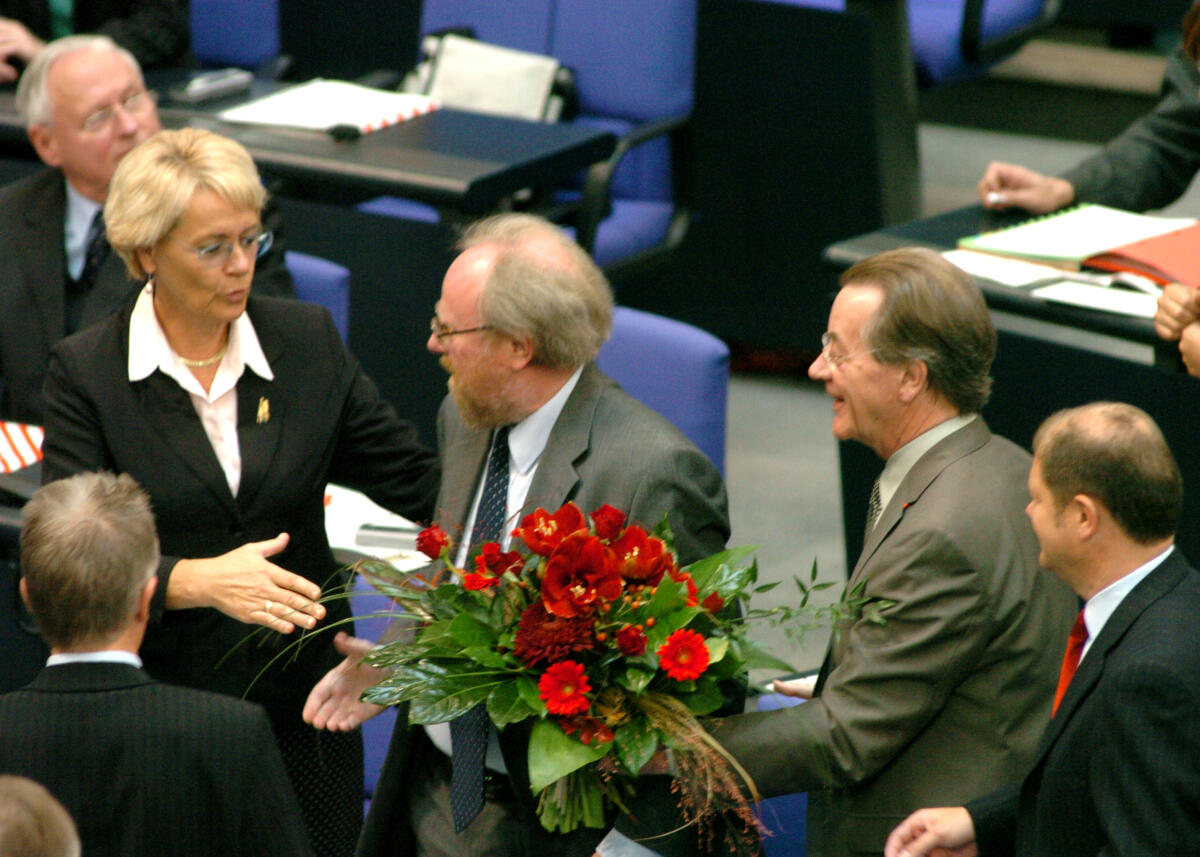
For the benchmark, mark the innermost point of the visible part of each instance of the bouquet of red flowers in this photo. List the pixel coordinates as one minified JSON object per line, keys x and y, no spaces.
{"x":600,"y":636}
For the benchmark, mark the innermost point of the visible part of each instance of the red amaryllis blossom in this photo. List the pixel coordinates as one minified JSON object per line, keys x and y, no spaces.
{"x":578,"y":574}
{"x":494,"y":562}
{"x":642,"y":558}
{"x":431,"y":541}
{"x":562,"y":687}
{"x":543,"y":532}
{"x":684,"y":655}
{"x":589,"y":728}
{"x":543,"y":638}
{"x":631,"y":640}
{"x":607,"y":522}
{"x":473,"y":581}
{"x":693,"y":593}
{"x":713,"y":603}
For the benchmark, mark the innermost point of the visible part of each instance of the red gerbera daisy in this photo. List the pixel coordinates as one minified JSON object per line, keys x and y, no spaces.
{"x":562,"y":688}
{"x":684,"y":655}
{"x":543,"y":638}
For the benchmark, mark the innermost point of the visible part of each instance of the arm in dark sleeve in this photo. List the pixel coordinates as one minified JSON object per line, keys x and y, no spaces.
{"x":995,"y":820}
{"x":377,"y":452}
{"x":1153,"y":161}
{"x":154,"y":31}
{"x":271,"y":275}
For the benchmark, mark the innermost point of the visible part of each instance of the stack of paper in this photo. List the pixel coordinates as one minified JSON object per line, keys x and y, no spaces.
{"x":324,"y":104}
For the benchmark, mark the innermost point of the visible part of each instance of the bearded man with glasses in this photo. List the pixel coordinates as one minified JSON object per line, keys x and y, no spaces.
{"x":85,"y":106}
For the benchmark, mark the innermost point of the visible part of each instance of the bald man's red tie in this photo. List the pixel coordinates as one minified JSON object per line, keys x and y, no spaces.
{"x":1075,"y":644}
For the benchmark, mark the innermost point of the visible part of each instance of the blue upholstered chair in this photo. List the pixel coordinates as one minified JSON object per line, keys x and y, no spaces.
{"x":242,"y":33}
{"x":372,"y":614}
{"x":633,"y":64}
{"x":678,"y":370}
{"x":322,"y":282}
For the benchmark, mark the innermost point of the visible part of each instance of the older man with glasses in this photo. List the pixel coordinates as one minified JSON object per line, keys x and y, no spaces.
{"x":85,"y":105}
{"x":963,"y":667}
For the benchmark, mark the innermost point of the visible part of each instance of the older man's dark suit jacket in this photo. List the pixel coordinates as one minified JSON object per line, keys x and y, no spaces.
{"x":319,"y":420}
{"x":945,"y":700}
{"x":1118,"y":769}
{"x":154,"y":31}
{"x":33,"y":270}
{"x":148,"y":769}
{"x":605,"y":448}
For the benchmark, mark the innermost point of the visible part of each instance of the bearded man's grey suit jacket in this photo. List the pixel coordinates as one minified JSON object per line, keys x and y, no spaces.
{"x":947,"y":698}
{"x":605,"y":448}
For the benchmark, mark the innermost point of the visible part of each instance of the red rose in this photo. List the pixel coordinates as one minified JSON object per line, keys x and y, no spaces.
{"x":492,"y":561}
{"x":562,"y":688}
{"x":543,"y":532}
{"x":431,"y":541}
{"x":608,"y":522}
{"x":580,"y":572}
{"x":641,"y":557}
{"x":683,"y":656}
{"x":471,"y":580}
{"x":589,"y":728}
{"x":631,"y":640}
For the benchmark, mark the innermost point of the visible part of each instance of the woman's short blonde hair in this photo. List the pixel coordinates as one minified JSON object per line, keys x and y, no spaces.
{"x":157,"y":180}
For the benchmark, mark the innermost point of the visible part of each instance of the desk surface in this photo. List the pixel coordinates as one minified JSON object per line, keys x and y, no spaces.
{"x":942,"y":232}
{"x":451,"y":158}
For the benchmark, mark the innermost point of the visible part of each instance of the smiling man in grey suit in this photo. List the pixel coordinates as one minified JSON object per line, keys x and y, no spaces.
{"x":1118,"y":769}
{"x":144,"y":768}
{"x":946,"y":696}
{"x":522,"y":314}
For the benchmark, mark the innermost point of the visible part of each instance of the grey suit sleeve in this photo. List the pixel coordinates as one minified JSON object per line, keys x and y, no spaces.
{"x":1153,"y":161}
{"x":890,"y":682}
{"x":688,"y":488}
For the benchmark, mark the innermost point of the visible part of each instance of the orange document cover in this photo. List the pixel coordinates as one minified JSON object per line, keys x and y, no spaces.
{"x":1173,"y":257}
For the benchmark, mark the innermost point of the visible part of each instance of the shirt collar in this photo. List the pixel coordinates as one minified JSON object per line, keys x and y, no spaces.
{"x":1104,"y":603}
{"x":149,"y":349}
{"x":528,"y":438}
{"x":110,"y":656}
{"x":903,"y":459}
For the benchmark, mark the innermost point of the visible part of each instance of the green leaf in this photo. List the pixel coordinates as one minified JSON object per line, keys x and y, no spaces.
{"x":505,"y":705}
{"x":486,"y":656}
{"x":468,"y":631}
{"x":717,"y":647}
{"x":705,"y":699}
{"x":702,"y":570}
{"x":757,"y":659}
{"x":636,"y":742}
{"x":668,"y":595}
{"x":553,"y":754}
{"x":528,"y":690}
{"x":635,"y":680}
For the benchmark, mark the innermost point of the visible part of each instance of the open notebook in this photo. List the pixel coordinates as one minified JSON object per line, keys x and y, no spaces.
{"x":1163,"y":248}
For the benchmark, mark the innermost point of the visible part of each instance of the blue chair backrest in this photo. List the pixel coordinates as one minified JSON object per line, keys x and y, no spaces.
{"x":678,"y":370}
{"x":243,"y":33}
{"x":322,"y":282}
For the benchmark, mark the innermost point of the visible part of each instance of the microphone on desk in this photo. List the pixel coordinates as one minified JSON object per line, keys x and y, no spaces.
{"x":344,"y":132}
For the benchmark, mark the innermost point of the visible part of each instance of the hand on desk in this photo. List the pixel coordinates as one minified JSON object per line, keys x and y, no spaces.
{"x":244,"y":584}
{"x":335,"y":703}
{"x":1011,"y":186}
{"x":16,"y":42}
{"x":941,"y":832}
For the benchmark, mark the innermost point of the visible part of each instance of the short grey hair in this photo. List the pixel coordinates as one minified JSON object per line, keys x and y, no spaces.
{"x":933,"y":312}
{"x":33,"y":90}
{"x":88,"y":546}
{"x":545,"y":286}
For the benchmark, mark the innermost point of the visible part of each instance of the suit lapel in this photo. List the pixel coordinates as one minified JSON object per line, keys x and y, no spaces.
{"x":45,"y":273}
{"x":261,"y":419}
{"x":557,"y":478}
{"x":1160,"y":581}
{"x":945,"y":452}
{"x":462,"y":463}
{"x":166,"y":408}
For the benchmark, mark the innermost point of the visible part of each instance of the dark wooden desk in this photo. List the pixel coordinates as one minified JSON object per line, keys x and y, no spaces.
{"x":450,"y":158}
{"x":1050,"y":356}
